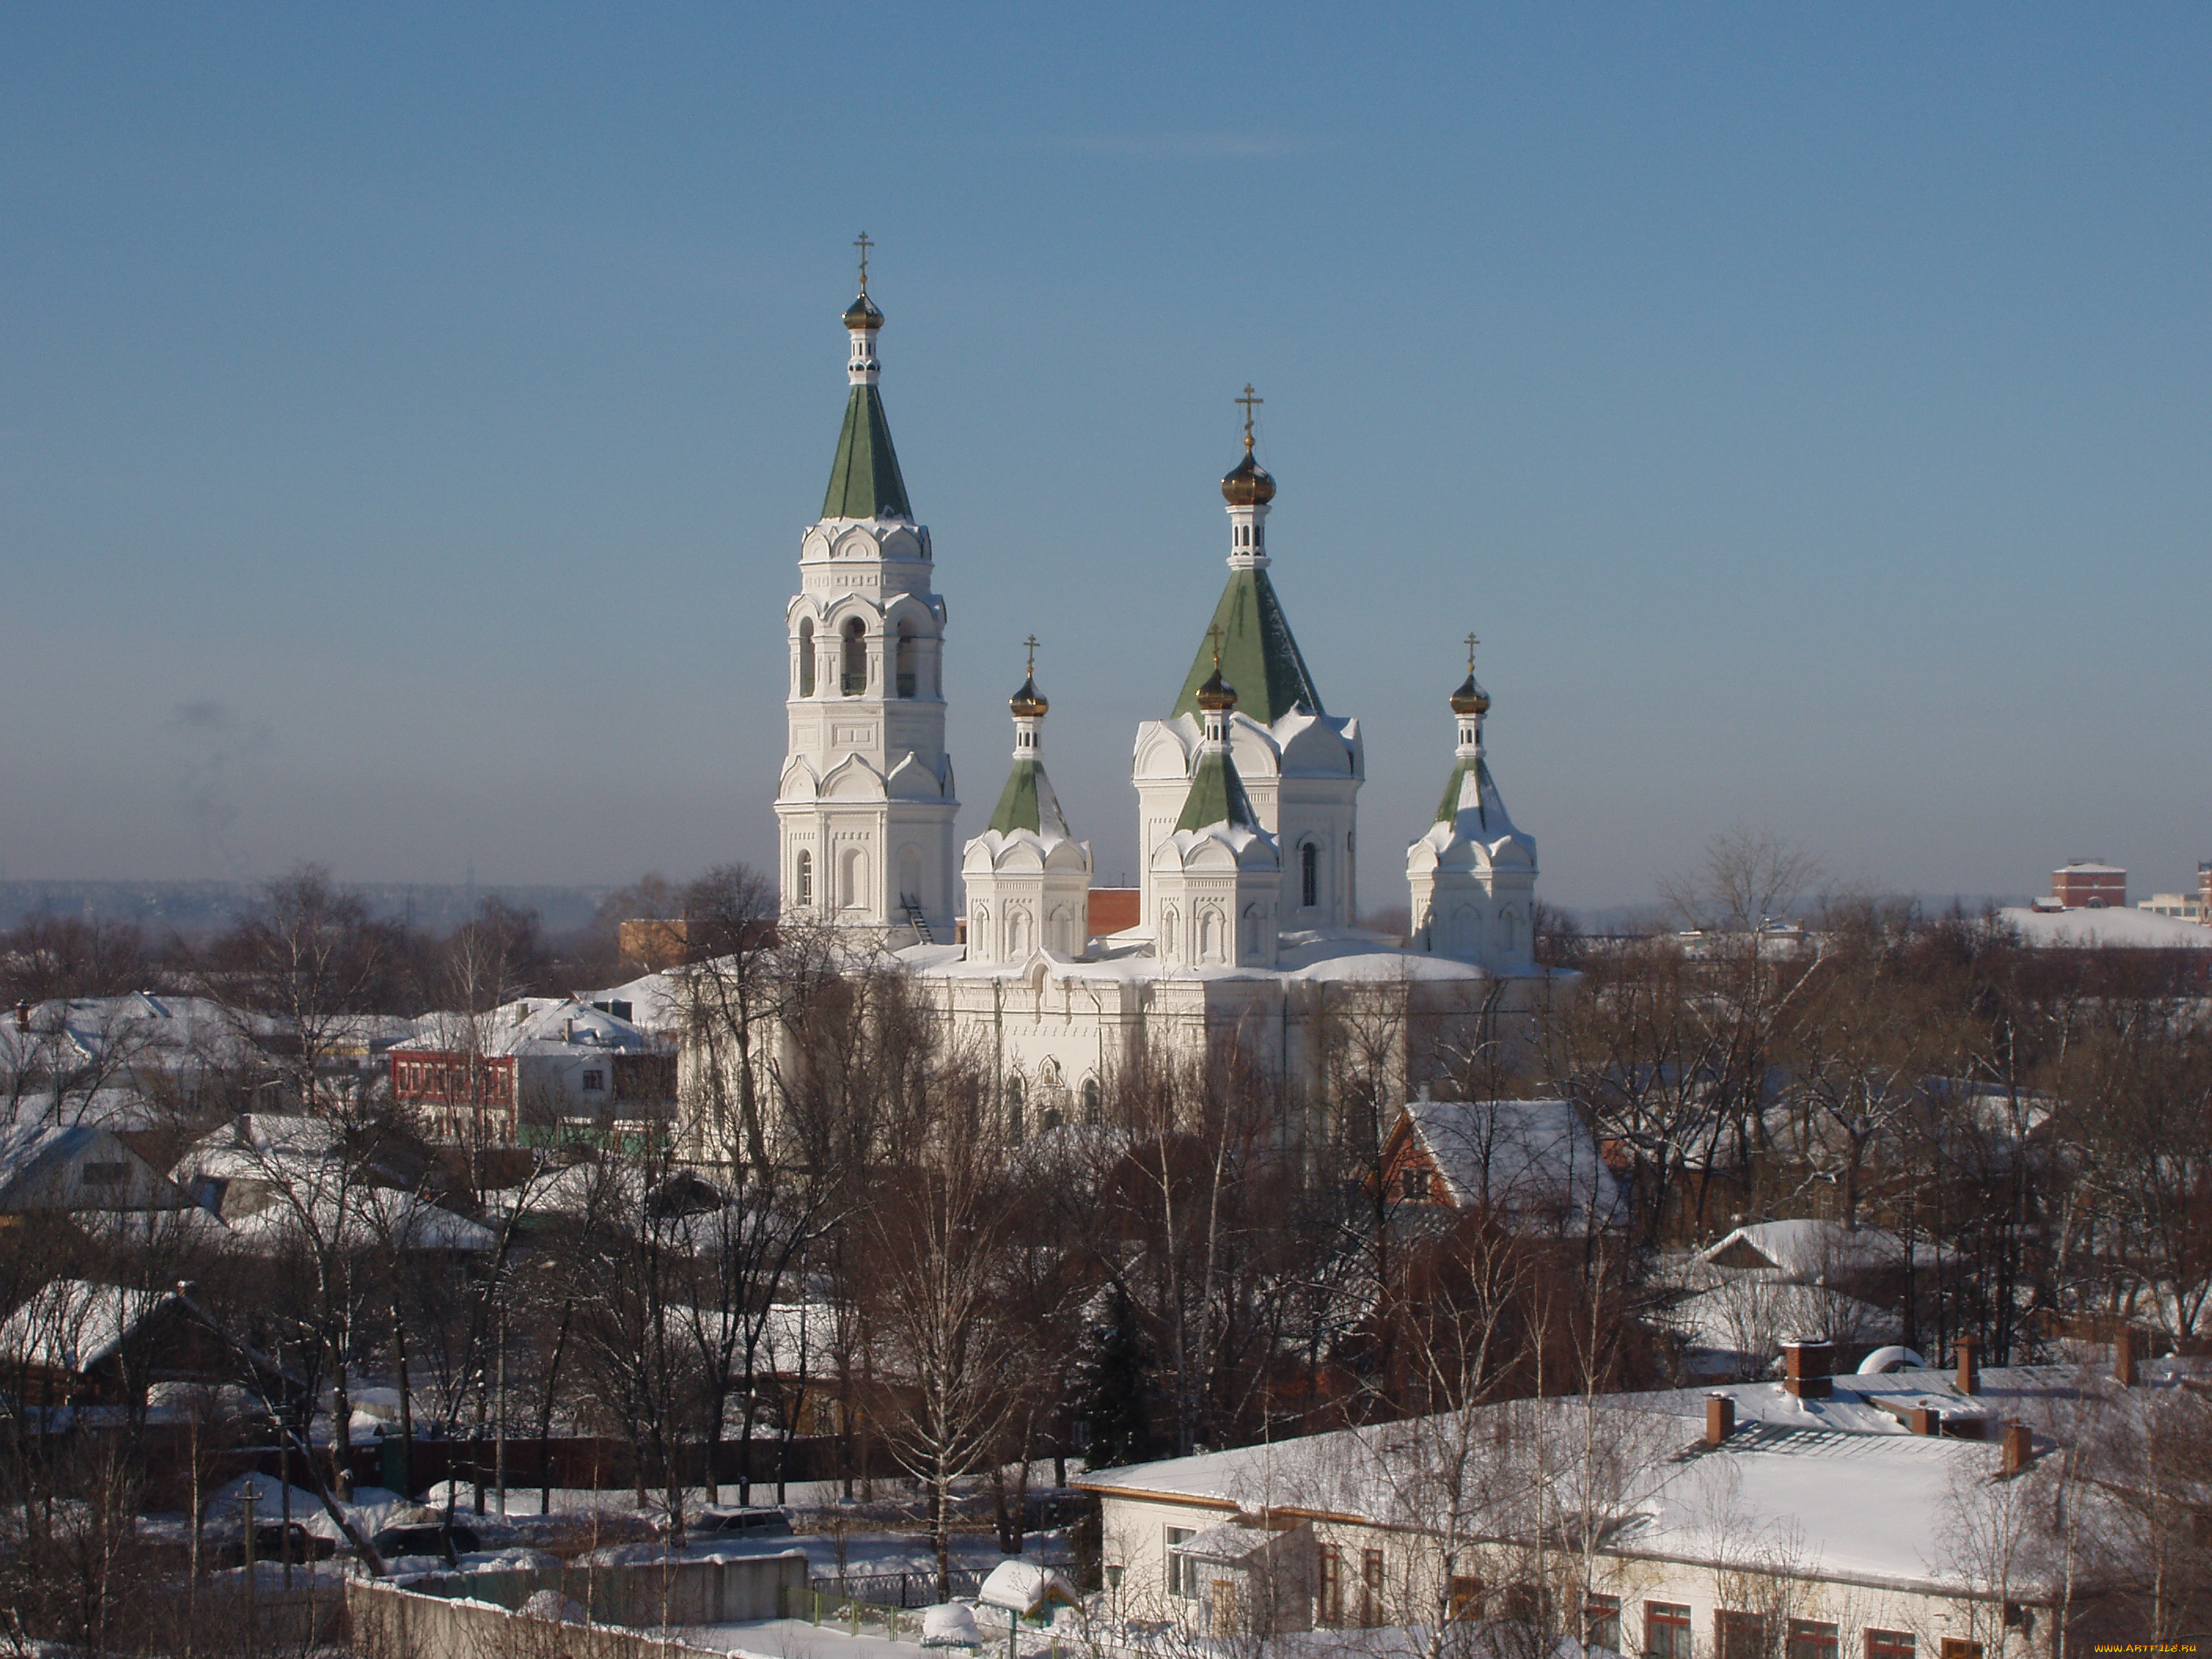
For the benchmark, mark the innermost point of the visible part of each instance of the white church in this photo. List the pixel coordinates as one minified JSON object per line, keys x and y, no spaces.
{"x":1247,"y":799}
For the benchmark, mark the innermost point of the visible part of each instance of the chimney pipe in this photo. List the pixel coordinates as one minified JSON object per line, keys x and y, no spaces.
{"x":1970,"y":1368}
{"x":1926,"y":1420}
{"x":2124,"y":1356}
{"x":1720,"y":1418}
{"x":22,"y":1016}
{"x":1808,"y":1360}
{"x":2019,"y":1448}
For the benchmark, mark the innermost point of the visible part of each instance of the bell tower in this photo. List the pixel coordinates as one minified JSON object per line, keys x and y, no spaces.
{"x":866,"y":804}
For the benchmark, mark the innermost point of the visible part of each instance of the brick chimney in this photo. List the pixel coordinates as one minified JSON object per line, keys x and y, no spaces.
{"x":1970,"y":1366}
{"x":22,"y":1016}
{"x":1720,"y":1418}
{"x":2125,"y":1342}
{"x":1808,"y":1360}
{"x":2019,"y":1448}
{"x":1925,"y":1420}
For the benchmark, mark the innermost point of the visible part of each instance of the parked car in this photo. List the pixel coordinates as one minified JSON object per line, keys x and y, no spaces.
{"x":425,"y":1538}
{"x":751,"y":1521}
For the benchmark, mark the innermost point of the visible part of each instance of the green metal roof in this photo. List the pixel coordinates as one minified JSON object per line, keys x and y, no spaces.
{"x":1217,"y":794}
{"x":1258,"y":655}
{"x":1027,"y":802}
{"x":1448,"y":808}
{"x":864,"y":479}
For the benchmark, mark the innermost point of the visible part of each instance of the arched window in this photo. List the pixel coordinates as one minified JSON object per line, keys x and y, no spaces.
{"x":1248,"y":943}
{"x":807,"y":658}
{"x":1018,"y":932}
{"x":1090,"y":1100}
{"x":856,"y":658}
{"x":851,"y":881}
{"x":802,"y":880}
{"x":1209,"y":934}
{"x":1167,"y":932}
{"x":909,"y":655}
{"x":1309,"y":875}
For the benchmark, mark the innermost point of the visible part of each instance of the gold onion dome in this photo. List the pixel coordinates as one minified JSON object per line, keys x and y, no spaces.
{"x":1028,"y":702}
{"x":1217,"y":696}
{"x":863,"y":314}
{"x":1249,"y":484}
{"x":1470,"y":698}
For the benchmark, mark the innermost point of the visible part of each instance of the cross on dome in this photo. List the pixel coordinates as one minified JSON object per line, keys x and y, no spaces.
{"x":1250,"y":403}
{"x":862,"y":243}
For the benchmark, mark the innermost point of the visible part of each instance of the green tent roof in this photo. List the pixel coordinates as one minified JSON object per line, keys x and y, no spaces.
{"x":1217,"y":794}
{"x":864,"y":479}
{"x":1027,"y":802}
{"x":1448,"y":808}
{"x":1258,"y":655}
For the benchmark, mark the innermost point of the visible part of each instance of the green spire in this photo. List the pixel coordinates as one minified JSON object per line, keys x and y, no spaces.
{"x":864,"y":479}
{"x":1258,"y":654}
{"x":1217,"y":795}
{"x":1027,"y":803}
{"x":1448,"y":808}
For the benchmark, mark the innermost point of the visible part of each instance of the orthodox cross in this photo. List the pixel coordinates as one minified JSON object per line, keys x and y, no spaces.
{"x":1031,"y":643}
{"x":1214,"y":633}
{"x":1471,"y":643}
{"x":862,"y":243}
{"x":1249,"y":403}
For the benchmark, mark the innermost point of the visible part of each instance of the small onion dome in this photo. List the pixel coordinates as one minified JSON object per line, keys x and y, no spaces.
{"x":1028,"y":702}
{"x":862,"y":314}
{"x":1470,"y":698}
{"x":1217,"y":696}
{"x":1249,"y":485}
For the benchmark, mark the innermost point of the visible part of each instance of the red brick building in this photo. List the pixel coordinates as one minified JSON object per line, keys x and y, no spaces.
{"x":2086,"y":884}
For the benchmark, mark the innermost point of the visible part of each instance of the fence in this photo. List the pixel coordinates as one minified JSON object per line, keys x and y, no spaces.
{"x":898,"y":1589}
{"x":389,"y":1623}
{"x":713,"y":1590}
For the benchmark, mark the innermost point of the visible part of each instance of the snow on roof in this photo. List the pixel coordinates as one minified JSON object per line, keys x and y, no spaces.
{"x":1518,"y":1154}
{"x":1840,"y":1486}
{"x":1750,"y":1313}
{"x":653,"y":1001}
{"x":530,"y":1025}
{"x":361,"y":1215}
{"x":1806,"y":1249}
{"x":1025,"y":1587}
{"x":2097,"y":928}
{"x":1334,"y":955}
{"x":72,"y":1324}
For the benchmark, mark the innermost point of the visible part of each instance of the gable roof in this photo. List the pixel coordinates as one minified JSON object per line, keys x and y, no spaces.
{"x":72,"y":1324}
{"x":864,"y":479}
{"x":1806,"y":1249}
{"x":1517,"y":1155}
{"x":1259,"y":656}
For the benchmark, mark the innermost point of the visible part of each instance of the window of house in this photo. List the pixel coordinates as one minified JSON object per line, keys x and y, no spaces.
{"x":1309,"y":875}
{"x":1667,"y":1631}
{"x":595,"y":1080}
{"x":105,"y":1174}
{"x":1413,"y":1185}
{"x":1738,"y":1635}
{"x":1889,"y":1644}
{"x":1601,"y":1621}
{"x":1957,"y":1647}
{"x":1183,"y":1572}
{"x":1811,"y":1639}
{"x":1370,"y":1587}
{"x":1328,"y":1601}
{"x":1466,"y":1596}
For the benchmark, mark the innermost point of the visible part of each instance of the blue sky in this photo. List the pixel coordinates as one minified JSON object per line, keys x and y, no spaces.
{"x":408,"y":413}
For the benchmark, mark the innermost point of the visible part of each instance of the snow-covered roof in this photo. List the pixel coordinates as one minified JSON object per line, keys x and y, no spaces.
{"x":361,"y":1216}
{"x":29,"y":1151}
{"x":1516,"y":1154}
{"x":1806,"y":1249}
{"x":531,"y":1025}
{"x":72,"y":1324}
{"x":1843,"y":1486}
{"x":2115,"y":927}
{"x":1750,"y":1313}
{"x":1025,"y":1587}
{"x":1332,"y":956}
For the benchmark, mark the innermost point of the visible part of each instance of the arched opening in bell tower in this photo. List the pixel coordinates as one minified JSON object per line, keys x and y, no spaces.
{"x":807,"y":658}
{"x":910,"y":655}
{"x":856,"y":658}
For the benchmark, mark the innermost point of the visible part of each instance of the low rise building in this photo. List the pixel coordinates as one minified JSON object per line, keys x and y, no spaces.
{"x":535,"y":1071}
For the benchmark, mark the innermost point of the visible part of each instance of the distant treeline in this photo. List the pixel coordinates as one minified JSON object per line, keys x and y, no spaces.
{"x":196,"y":909}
